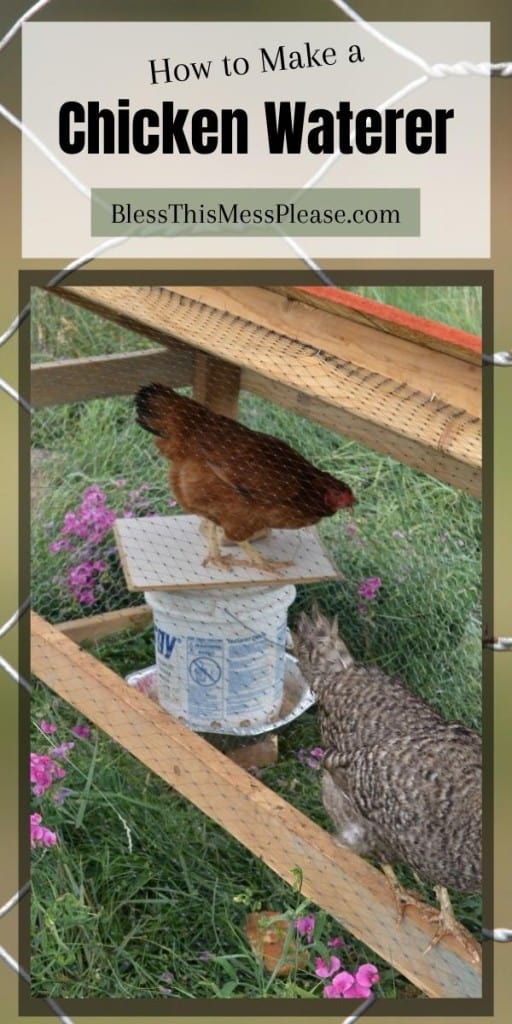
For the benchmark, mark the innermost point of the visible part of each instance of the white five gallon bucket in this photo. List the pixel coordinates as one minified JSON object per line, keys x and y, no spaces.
{"x":220,"y":653}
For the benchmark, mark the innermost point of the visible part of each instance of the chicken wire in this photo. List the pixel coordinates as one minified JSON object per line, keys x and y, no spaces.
{"x":408,"y":552}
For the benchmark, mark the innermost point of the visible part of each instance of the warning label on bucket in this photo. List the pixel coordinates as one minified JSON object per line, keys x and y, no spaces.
{"x":205,"y":669}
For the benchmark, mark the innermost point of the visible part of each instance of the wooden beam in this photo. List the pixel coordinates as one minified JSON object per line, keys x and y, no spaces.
{"x":394,"y":344}
{"x":78,"y":380}
{"x":216,"y":384}
{"x":398,"y":322}
{"x":424,"y":413}
{"x":345,"y":885}
{"x":95,"y":627}
{"x":374,"y":348}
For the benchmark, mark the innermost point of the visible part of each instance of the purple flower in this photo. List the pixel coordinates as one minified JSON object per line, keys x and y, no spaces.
{"x":39,"y":834}
{"x":335,"y":942}
{"x":82,"y":731}
{"x":62,"y":750}
{"x":311,"y":758}
{"x":82,"y":579}
{"x":60,"y":795}
{"x":47,"y":727}
{"x":59,"y":545}
{"x":305,"y":926}
{"x":369,"y":587}
{"x":318,"y":752}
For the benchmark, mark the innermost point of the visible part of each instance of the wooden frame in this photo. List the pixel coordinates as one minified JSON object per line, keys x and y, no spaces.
{"x":345,"y":885}
{"x":397,"y":394}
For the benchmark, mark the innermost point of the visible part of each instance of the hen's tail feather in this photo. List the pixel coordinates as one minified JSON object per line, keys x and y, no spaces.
{"x":151,"y":403}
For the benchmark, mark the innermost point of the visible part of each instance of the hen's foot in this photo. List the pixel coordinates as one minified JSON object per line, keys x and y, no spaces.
{"x":405,"y":897}
{"x":254,"y":558}
{"x":448,"y":925}
{"x":229,"y":561}
{"x":221,"y":561}
{"x":259,"y":562}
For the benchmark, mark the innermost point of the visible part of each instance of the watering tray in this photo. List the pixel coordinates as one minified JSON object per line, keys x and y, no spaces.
{"x":297,"y":698}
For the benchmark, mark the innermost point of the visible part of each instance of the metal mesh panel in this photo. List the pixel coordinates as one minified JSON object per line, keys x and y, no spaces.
{"x":406,"y":595}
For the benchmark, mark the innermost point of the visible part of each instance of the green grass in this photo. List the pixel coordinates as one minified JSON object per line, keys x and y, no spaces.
{"x":141,"y":882}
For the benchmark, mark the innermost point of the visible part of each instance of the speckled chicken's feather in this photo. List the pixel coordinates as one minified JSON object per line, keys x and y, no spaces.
{"x":400,"y":782}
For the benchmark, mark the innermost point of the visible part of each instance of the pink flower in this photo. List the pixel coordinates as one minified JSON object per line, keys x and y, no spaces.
{"x":369,"y":587}
{"x":323,"y":970}
{"x":305,"y":926}
{"x":39,"y":834}
{"x":47,"y":727}
{"x":349,"y":986}
{"x":59,"y":545}
{"x":312,"y":757}
{"x":318,"y":752}
{"x":335,"y":942}
{"x":43,"y":772}
{"x":82,"y":731}
{"x":366,"y":976}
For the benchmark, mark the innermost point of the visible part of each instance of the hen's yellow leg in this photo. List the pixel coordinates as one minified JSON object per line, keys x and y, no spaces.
{"x":214,"y":556}
{"x":403,"y":897}
{"x":448,"y":925}
{"x":257,"y":559}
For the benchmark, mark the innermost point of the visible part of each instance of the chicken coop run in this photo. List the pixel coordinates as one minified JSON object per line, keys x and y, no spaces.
{"x":385,"y":401}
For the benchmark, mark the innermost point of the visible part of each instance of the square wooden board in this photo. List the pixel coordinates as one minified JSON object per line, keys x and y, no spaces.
{"x":167,"y":552}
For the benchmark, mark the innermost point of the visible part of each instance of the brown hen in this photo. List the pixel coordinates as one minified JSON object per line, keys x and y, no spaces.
{"x":238,"y":479}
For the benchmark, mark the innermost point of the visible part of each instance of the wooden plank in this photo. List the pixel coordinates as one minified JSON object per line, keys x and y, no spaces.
{"x":167,"y":553}
{"x":455,"y":471}
{"x":367,"y":341}
{"x":377,"y":350}
{"x":345,"y":885}
{"x":417,"y":329}
{"x":95,"y":627}
{"x":421,"y":428}
{"x":77,"y":380}
{"x":216,"y":384}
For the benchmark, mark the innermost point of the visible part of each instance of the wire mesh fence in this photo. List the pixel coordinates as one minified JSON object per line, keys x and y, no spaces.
{"x":404,"y":583}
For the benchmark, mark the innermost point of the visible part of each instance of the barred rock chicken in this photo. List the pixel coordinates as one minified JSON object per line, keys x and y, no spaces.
{"x":241,"y":480}
{"x":400,"y":782}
